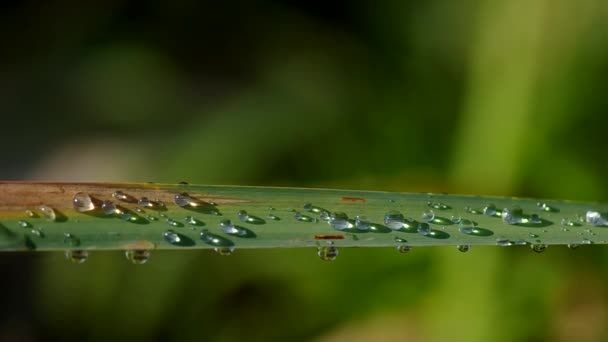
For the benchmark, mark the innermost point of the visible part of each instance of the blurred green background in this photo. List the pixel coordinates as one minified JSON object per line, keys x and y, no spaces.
{"x":504,"y":97}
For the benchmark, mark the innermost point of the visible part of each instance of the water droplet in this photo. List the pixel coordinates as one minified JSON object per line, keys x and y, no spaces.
{"x":184,"y":200}
{"x":403,"y":248}
{"x":224,"y":251}
{"x":48,"y":212}
{"x":83,"y":202}
{"x":573,"y":245}
{"x":139,"y":210}
{"x":303,"y":218}
{"x":504,"y":242}
{"x":146,"y":203}
{"x":109,"y":208}
{"x":215,"y":240}
{"x":77,"y":256}
{"x":172,"y":237}
{"x":512,"y":216}
{"x":569,"y":223}
{"x":595,"y":218}
{"x":394,"y":220}
{"x":438,"y":205}
{"x":532,"y":235}
{"x":71,"y":240}
{"x":339,"y":221}
{"x":152,"y":218}
{"x":538,"y":248}
{"x":138,"y":256}
{"x":521,"y":242}
{"x":463,"y":248}
{"x":428,"y":215}
{"x":242,"y":215}
{"x":273,"y":217}
{"x":490,"y":210}
{"x":30,"y":213}
{"x":535,"y":219}
{"x":191,"y":220}
{"x":24,"y":224}
{"x":546,"y":207}
{"x":472,"y":211}
{"x":313,"y":209}
{"x":423,"y":228}
{"x":455,"y":219}
{"x":361,"y":223}
{"x":121,"y":196}
{"x":37,"y":232}
{"x":173,"y":223}
{"x":228,"y":227}
{"x":324,"y":215}
{"x":328,"y":253}
{"x":587,"y":241}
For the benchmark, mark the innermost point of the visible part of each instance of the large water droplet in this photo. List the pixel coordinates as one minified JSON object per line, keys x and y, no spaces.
{"x":463,"y":248}
{"x":490,"y":210}
{"x":595,"y":218}
{"x":339,"y":221}
{"x":172,"y":237}
{"x":428,"y":215}
{"x":455,"y":218}
{"x":83,"y":202}
{"x":138,"y":256}
{"x":538,"y":248}
{"x":228,"y":227}
{"x":468,"y":227}
{"x":423,"y":228}
{"x":328,"y":253}
{"x":109,"y":208}
{"x":513,"y":216}
{"x":48,"y":212}
{"x":394,"y":220}
{"x":77,"y":256}
{"x":123,"y":197}
{"x":362,"y":224}
{"x":587,"y":242}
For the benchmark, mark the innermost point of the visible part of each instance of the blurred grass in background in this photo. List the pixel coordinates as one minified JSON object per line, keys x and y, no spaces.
{"x":501,"y":97}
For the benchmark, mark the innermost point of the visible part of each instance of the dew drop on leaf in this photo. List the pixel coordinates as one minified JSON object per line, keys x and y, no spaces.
{"x":339,"y":221}
{"x":48,"y":212}
{"x":538,"y":248}
{"x":83,"y":202}
{"x":463,"y":248}
{"x":428,"y":215}
{"x":138,"y":256}
{"x":394,"y":220}
{"x":328,"y":253}
{"x":123,"y":197}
